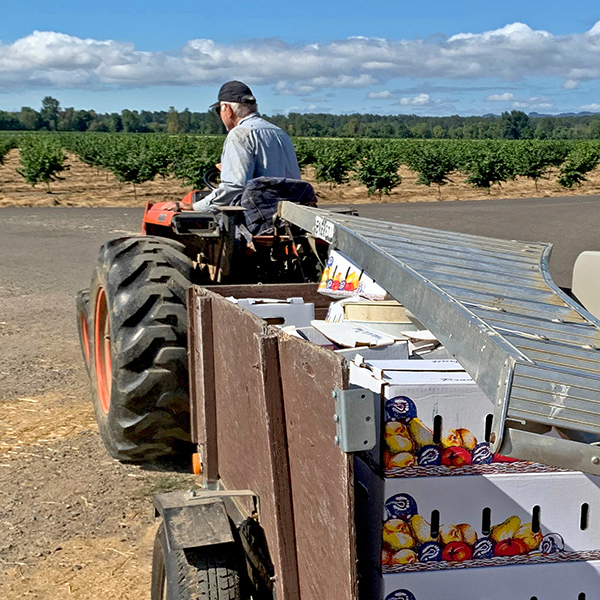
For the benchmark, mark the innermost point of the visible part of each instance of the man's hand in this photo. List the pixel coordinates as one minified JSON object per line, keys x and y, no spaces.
{"x":218,"y":165}
{"x":177,"y":206}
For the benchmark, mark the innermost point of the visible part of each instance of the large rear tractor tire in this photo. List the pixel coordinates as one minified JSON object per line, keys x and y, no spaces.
{"x":138,"y":349}
{"x":207,"y":573}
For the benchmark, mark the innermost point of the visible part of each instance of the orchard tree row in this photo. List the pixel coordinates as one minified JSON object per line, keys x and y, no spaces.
{"x":482,"y":163}
{"x":374,"y":163}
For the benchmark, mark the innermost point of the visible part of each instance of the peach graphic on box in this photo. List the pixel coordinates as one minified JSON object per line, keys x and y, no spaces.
{"x":409,"y":442}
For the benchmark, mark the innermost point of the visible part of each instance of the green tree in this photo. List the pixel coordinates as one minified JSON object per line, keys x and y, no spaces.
{"x":580,"y":161}
{"x":29,"y":118}
{"x":186,"y":119}
{"x":115,"y":123}
{"x":333,"y":163}
{"x":378,"y":170}
{"x":42,"y":159}
{"x":515,"y":125}
{"x":420,"y":130}
{"x":9,"y":121}
{"x":438,"y":132}
{"x":533,"y":159}
{"x":595,"y":128}
{"x":173,"y":121}
{"x":50,"y":112}
{"x":433,"y":163}
{"x":487,"y":167}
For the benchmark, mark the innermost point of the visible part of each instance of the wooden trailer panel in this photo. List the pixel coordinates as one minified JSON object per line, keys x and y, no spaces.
{"x":251,"y":438}
{"x":321,"y":474}
{"x":203,"y":411}
{"x":262,"y":415}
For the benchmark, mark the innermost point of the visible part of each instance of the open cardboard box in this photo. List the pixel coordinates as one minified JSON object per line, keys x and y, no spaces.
{"x":431,"y":523}
{"x":293,"y":311}
{"x":425,"y":407}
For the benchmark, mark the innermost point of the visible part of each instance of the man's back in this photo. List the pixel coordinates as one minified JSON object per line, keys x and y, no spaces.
{"x":271,"y":148}
{"x":253,"y":148}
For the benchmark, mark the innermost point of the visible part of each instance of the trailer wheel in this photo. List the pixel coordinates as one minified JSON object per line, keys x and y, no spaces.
{"x":83,"y":320}
{"x":207,"y":573}
{"x":138,"y":357}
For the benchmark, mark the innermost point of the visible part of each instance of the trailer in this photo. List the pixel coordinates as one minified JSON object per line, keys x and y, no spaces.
{"x":294,"y":496}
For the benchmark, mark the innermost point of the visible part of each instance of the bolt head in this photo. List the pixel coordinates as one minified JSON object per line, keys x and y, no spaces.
{"x":336,"y":439}
{"x":334,"y":394}
{"x":336,"y":418}
{"x":596,"y":460}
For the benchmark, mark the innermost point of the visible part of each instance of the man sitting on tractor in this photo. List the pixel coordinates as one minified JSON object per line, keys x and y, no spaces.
{"x":253,"y":148}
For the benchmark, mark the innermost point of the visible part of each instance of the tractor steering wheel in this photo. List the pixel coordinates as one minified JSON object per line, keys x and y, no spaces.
{"x":212,"y":178}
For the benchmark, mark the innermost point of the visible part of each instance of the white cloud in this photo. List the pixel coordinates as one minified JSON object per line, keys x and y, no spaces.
{"x":506,"y":97}
{"x":380,"y":95}
{"x":533,"y":102}
{"x":283,"y":88}
{"x":593,"y":107}
{"x":420,"y":100}
{"x":513,"y":52}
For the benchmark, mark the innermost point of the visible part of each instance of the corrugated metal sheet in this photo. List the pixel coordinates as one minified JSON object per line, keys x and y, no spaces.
{"x":533,"y":350}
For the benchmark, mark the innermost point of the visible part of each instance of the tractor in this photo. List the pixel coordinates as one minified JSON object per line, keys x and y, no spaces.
{"x":132,"y":320}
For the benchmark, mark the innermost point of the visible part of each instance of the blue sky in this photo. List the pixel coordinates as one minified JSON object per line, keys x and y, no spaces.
{"x":436,"y":58}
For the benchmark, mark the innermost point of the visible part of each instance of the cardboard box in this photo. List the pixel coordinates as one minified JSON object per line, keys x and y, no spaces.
{"x":294,"y":311}
{"x":310,"y":334}
{"x":395,"y":351}
{"x":431,"y":523}
{"x":351,"y":335}
{"x":549,"y":581}
{"x":426,"y":407}
{"x":343,"y":278}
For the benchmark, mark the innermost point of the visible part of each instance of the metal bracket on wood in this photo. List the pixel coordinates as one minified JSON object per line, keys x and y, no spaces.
{"x":354,"y":419}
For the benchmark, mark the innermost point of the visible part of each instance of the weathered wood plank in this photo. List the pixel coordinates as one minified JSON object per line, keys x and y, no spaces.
{"x":251,"y":428}
{"x":321,"y":474}
{"x":203,"y":412}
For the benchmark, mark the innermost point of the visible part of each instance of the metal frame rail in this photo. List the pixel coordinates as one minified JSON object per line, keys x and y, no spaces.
{"x":532,"y":350}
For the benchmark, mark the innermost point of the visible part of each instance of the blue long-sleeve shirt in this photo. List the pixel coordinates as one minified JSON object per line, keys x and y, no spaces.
{"x":253,"y":148}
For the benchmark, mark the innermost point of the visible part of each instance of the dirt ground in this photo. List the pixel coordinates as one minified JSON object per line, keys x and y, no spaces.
{"x":86,"y":186}
{"x":74,"y":523}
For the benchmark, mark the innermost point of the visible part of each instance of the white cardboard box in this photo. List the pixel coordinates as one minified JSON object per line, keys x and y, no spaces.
{"x":395,"y":351}
{"x":482,"y":520}
{"x":294,"y":311}
{"x":437,"y":396}
{"x":549,"y":581}
{"x":351,"y":335}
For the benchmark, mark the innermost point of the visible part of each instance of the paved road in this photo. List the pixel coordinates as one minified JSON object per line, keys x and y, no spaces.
{"x":55,"y":248}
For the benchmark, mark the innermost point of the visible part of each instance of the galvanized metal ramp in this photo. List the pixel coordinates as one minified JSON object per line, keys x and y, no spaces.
{"x":533,"y":351}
